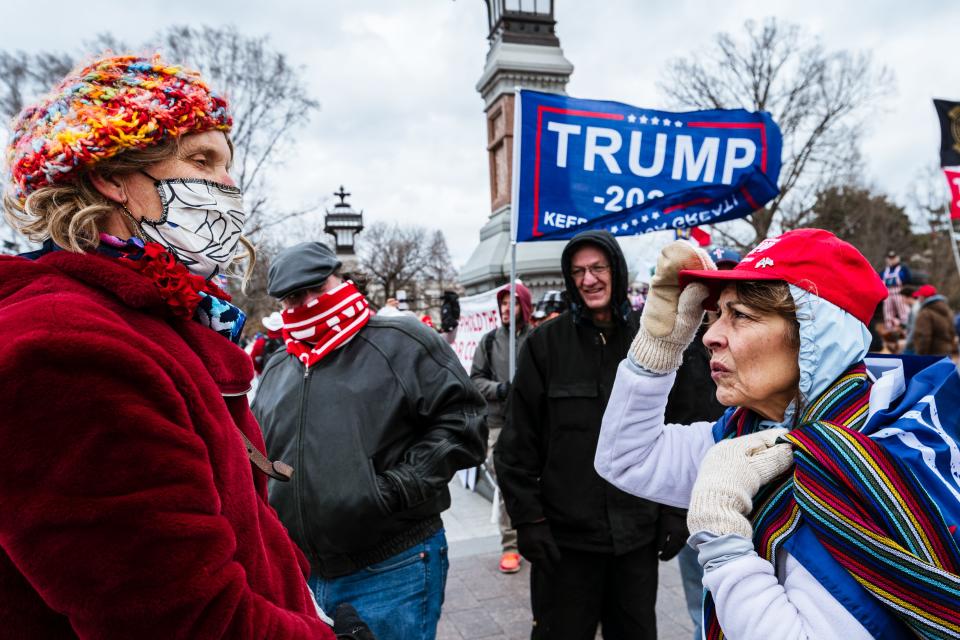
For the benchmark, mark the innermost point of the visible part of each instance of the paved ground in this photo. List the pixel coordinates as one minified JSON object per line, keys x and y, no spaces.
{"x":483,"y":603}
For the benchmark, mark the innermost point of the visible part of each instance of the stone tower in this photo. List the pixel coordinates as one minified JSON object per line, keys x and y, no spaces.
{"x":524,"y":52}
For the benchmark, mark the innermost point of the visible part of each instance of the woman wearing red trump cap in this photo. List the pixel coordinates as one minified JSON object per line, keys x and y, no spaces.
{"x":817,"y":510}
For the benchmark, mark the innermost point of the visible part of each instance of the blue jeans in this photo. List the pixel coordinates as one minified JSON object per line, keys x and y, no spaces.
{"x":691,"y":574}
{"x":400,"y":598}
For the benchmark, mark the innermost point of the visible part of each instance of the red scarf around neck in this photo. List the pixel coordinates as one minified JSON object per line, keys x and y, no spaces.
{"x":317,"y":328}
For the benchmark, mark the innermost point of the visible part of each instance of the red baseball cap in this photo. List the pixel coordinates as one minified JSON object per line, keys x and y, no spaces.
{"x":925,"y":291}
{"x":812,"y":259}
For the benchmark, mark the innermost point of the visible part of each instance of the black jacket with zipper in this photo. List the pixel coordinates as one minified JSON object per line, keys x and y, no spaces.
{"x":544,"y":457}
{"x":393,"y":403}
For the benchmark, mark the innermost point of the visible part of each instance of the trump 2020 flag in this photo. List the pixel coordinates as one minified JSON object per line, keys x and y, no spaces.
{"x":591,"y":164}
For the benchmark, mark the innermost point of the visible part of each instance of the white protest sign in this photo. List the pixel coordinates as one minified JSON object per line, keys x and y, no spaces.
{"x":478,"y":315}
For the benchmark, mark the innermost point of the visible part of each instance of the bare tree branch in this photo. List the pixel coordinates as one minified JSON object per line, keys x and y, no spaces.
{"x":267,"y":97}
{"x":819,"y":99}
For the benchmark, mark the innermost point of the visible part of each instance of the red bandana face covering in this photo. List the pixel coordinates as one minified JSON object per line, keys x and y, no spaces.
{"x":320,"y":326}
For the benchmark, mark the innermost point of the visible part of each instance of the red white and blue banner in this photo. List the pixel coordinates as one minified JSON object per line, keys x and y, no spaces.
{"x":591,"y":164}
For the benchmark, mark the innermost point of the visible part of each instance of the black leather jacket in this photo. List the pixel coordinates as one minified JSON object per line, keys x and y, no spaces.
{"x":393,"y":403}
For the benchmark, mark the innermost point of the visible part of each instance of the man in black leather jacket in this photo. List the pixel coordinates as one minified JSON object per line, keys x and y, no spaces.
{"x":593,"y":548}
{"x":375,"y":429}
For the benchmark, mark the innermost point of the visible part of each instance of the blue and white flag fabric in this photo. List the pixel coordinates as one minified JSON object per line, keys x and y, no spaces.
{"x":591,"y":164}
{"x":922,"y":430}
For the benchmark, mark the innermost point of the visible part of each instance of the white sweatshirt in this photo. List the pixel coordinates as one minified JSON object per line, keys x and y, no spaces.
{"x":641,"y":455}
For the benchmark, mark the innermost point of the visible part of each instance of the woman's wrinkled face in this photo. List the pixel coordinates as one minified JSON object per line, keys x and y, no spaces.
{"x":204,"y":156}
{"x":753,"y":361}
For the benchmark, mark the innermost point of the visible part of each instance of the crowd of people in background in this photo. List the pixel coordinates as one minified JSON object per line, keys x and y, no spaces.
{"x":915,"y":318}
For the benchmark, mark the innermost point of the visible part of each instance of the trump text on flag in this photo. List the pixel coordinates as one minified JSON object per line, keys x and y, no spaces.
{"x":591,"y":164}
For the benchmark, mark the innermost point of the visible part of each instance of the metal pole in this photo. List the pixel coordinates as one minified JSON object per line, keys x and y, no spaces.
{"x":514,"y":201}
{"x":951,"y":229}
{"x":513,"y":310}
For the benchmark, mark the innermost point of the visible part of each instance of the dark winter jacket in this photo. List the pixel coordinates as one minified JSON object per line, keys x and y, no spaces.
{"x":375,"y":431}
{"x":491,"y":368}
{"x":933,"y":331}
{"x":544,"y":458}
{"x":491,"y":361}
{"x":693,"y":397}
{"x":128,"y":505}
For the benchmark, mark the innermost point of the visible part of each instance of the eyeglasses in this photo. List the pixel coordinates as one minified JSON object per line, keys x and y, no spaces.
{"x":596,"y":270}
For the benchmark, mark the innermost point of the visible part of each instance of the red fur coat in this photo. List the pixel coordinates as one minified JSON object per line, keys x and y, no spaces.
{"x":128,"y":506}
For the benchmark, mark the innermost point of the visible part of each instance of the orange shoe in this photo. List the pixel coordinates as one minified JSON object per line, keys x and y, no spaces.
{"x":510,"y":562}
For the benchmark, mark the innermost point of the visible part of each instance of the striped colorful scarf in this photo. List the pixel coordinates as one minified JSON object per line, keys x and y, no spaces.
{"x":865,"y":507}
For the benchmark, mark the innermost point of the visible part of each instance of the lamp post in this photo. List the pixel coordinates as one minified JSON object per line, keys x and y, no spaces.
{"x":521,"y":21}
{"x":343,"y":223}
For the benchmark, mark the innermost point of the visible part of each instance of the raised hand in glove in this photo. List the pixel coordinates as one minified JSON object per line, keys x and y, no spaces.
{"x":730,"y":475}
{"x":672,"y":531}
{"x":535,"y":543}
{"x":671,"y":317}
{"x":348,"y":625}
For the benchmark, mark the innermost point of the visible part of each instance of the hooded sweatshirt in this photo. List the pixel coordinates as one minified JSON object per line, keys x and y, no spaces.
{"x":524,"y":298}
{"x":933,"y":331}
{"x":491,"y":361}
{"x":619,"y":275}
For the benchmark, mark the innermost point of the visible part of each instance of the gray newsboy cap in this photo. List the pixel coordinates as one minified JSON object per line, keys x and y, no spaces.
{"x":303,"y":265}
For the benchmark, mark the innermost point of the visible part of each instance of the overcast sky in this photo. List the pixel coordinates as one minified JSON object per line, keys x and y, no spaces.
{"x":401,"y":124}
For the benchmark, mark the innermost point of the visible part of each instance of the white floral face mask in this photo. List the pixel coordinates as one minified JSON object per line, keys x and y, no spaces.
{"x":200,"y":225}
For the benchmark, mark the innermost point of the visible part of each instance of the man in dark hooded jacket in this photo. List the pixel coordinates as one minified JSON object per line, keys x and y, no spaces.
{"x":593,"y":548}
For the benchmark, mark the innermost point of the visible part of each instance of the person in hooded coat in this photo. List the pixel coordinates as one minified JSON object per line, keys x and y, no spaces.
{"x":490,"y":372}
{"x":932,"y":332}
{"x":593,"y":548}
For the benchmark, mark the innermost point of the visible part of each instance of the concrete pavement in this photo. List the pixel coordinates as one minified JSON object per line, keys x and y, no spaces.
{"x":483,"y":603}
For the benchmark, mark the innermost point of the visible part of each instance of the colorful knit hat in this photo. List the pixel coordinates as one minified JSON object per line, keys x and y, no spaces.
{"x":108,"y":106}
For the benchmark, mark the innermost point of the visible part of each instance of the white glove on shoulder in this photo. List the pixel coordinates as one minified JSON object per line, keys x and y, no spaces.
{"x":730,"y":475}
{"x":670,"y":317}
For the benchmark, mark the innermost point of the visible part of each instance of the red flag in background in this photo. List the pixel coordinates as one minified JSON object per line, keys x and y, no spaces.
{"x":701,"y":236}
{"x":953,"y":179}
{"x":696,"y":234}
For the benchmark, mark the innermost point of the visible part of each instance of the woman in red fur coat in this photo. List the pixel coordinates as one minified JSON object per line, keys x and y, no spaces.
{"x":129,"y":506}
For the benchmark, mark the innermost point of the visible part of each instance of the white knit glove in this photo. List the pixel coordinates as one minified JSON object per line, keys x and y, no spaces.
{"x":730,"y":475}
{"x":670,"y":317}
